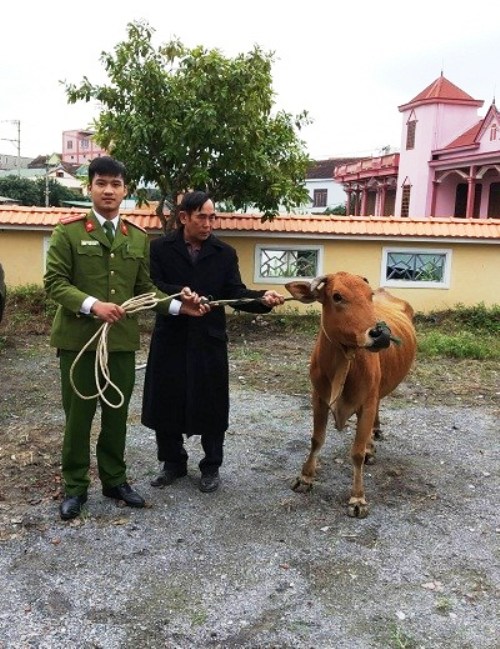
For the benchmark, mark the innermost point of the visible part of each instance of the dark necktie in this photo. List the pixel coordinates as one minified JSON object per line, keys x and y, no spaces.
{"x":109,"y":230}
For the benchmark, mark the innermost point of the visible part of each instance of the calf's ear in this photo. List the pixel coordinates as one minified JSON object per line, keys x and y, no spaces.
{"x":301,"y":291}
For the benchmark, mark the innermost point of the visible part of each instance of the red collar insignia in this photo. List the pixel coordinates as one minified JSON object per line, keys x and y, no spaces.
{"x":89,"y":226}
{"x":123,"y":228}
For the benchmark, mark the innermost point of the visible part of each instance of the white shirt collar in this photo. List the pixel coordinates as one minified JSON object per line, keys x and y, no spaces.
{"x":101,"y":220}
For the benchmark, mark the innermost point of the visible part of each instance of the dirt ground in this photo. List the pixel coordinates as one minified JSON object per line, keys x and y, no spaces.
{"x":256,"y":565}
{"x":266,"y":354}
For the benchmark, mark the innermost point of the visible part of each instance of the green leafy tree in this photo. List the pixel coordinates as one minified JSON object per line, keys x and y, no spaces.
{"x":32,"y":192}
{"x":57,"y":193}
{"x":194,"y":119}
{"x":19,"y":189}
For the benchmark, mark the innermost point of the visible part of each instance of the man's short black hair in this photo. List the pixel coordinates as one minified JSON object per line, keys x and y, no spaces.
{"x":192,"y":201}
{"x":106,"y":166}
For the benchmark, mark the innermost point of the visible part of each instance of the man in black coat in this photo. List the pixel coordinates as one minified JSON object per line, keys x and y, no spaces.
{"x":186,"y":389}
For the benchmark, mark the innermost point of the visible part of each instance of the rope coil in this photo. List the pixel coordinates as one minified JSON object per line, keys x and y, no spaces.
{"x":133,"y":305}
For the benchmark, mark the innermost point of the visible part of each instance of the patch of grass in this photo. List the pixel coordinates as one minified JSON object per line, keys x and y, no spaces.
{"x":462,"y":344}
{"x":28,"y":311}
{"x":400,"y":640}
{"x":443,"y":605}
{"x":478,"y":318}
{"x":198,"y":618}
{"x":245,"y":353}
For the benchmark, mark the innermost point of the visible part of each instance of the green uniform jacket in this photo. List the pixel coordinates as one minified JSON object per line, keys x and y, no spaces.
{"x":81,"y":262}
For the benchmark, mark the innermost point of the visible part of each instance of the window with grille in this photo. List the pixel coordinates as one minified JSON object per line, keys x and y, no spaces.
{"x":420,"y":268}
{"x":411,"y":128}
{"x":69,"y":144}
{"x":320,"y":198}
{"x":405,"y":201}
{"x":277,"y":265}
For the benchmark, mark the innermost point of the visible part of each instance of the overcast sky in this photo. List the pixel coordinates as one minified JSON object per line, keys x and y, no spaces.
{"x":349,"y":66}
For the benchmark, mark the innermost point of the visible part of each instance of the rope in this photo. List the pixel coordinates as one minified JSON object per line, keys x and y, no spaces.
{"x":234,"y":303}
{"x":133,"y":305}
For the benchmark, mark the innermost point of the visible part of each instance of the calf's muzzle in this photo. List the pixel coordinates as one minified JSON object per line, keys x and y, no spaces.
{"x":381,"y":337}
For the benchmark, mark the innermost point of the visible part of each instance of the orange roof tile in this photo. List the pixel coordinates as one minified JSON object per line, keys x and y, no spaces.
{"x":313,"y":225}
{"x":442,"y":91}
{"x":467,"y":138}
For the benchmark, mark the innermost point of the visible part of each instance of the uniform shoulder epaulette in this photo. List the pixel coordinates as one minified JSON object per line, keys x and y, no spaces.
{"x":71,"y":219}
{"x":139,"y":227}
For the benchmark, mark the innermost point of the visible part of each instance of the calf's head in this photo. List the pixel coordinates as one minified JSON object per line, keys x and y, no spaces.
{"x":348,"y":314}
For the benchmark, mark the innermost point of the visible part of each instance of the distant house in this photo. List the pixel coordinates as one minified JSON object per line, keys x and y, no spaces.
{"x":448,"y":166}
{"x":41,"y":168}
{"x":13,"y":162}
{"x":324,"y":192}
{"x":79,"y":147}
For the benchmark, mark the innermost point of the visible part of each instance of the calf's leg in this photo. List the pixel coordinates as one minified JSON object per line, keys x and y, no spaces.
{"x":320,"y":417}
{"x":358,"y":506}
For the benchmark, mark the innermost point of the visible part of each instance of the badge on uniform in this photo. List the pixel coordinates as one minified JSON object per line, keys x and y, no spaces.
{"x":91,"y":242}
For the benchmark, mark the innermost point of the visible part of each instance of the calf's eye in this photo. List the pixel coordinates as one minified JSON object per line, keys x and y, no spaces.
{"x":337,"y":297}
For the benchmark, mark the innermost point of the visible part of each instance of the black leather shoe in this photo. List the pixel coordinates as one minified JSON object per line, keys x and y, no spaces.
{"x":72,"y":506}
{"x":209,"y":482}
{"x":126,"y":493}
{"x":167,"y":476}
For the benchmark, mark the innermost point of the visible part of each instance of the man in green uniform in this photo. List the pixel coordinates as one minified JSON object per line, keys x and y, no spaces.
{"x":90,"y":272}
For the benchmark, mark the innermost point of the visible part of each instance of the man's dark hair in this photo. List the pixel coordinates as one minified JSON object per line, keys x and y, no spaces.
{"x":106,"y":166}
{"x":193,"y":201}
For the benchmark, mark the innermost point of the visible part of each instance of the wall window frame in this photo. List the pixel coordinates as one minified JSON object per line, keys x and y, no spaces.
{"x":405,"y":201}
{"x":320,"y":197}
{"x":263,"y":249}
{"x":415,"y":258}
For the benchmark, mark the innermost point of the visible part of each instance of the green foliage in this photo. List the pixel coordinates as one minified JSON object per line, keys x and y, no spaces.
{"x":473,"y":318}
{"x":32,"y":192}
{"x":194,"y":119}
{"x":57,"y":193}
{"x":28,"y":310}
{"x":338,"y":210}
{"x":479,"y":317}
{"x":20,"y":189}
{"x":462,"y":344}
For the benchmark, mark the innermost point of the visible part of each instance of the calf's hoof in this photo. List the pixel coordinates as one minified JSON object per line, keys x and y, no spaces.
{"x":357,"y":508}
{"x":301,"y":484}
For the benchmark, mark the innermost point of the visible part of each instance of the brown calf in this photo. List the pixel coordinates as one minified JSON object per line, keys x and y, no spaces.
{"x":347,"y":377}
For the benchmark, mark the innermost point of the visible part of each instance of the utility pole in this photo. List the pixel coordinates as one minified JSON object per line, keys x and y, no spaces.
{"x":17,"y":141}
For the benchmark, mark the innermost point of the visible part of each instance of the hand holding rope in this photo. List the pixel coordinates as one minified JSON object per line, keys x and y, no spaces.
{"x":101,"y":371}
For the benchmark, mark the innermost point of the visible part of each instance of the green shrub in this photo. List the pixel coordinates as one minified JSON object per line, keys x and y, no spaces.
{"x":462,"y":344}
{"x":472,"y":318}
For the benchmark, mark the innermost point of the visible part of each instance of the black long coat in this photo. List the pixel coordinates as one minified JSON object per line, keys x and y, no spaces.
{"x":186,"y":385}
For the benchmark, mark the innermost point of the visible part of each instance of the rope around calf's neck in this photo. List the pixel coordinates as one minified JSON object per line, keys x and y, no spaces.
{"x":101,"y":371}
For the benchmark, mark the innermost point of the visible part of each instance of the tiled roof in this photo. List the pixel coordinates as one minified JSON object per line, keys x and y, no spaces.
{"x":325,"y":168}
{"x":17,"y":217}
{"x":442,"y":91}
{"x":467,"y":138}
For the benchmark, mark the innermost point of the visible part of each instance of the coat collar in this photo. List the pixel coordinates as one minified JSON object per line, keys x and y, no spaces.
{"x":94,"y":229}
{"x":208,"y":247}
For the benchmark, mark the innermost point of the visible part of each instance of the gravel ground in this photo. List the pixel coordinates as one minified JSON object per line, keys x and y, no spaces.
{"x":256,"y":565}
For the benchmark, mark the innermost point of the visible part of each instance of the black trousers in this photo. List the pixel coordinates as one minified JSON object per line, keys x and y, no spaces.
{"x":172,"y":453}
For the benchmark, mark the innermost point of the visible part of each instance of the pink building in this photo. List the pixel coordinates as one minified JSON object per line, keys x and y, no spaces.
{"x":78,"y":147}
{"x":449,"y":164}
